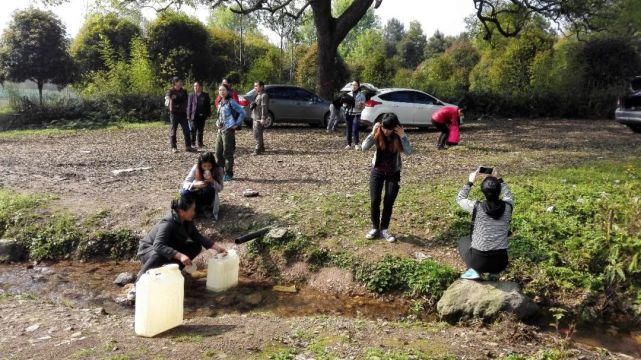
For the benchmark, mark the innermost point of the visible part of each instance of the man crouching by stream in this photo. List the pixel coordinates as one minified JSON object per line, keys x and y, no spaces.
{"x":174,"y":239}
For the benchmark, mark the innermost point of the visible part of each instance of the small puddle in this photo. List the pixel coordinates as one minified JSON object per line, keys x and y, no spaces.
{"x":91,"y":285}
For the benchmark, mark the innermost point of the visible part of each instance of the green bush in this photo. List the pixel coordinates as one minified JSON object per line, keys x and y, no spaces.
{"x":425,"y":278}
{"x":109,"y":245}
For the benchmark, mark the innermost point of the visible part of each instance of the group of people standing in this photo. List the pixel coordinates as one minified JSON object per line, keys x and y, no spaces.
{"x":175,"y":239}
{"x":191,"y":111}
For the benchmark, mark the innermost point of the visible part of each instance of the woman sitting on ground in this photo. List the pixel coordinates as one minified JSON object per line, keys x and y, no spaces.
{"x":203,"y":183}
{"x":390,"y":140}
{"x":485,"y":249}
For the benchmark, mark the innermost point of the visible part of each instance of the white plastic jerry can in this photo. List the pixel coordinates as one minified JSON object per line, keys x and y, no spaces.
{"x":222,"y":271}
{"x":159,"y":300}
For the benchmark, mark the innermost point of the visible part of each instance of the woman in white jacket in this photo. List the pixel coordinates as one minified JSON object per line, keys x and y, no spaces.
{"x":203,"y":183}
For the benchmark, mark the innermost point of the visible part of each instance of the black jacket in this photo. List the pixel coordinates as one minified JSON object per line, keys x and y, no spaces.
{"x":169,"y":234}
{"x":198,"y":106}
{"x":177,"y":101}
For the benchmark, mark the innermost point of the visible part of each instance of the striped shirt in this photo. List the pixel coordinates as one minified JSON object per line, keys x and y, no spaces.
{"x":488,"y":234}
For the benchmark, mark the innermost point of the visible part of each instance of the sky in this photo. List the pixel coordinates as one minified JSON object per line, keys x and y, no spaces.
{"x":446,"y":16}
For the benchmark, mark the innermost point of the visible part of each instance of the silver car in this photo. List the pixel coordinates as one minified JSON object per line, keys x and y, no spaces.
{"x":289,"y":104}
{"x":628,"y":111}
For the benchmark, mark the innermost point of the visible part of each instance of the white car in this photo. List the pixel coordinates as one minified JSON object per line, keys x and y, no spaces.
{"x":412,"y":107}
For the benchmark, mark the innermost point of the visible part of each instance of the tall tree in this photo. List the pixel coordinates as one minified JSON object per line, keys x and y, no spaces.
{"x":180,"y":45}
{"x":85,"y":48}
{"x":437,"y":44}
{"x":367,"y":22}
{"x":411,"y":48}
{"x":34,"y":47}
{"x":393,"y":32}
{"x":330,"y":30}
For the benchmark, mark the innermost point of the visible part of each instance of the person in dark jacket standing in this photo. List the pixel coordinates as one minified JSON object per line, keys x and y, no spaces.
{"x":174,"y":239}
{"x":177,"y":103}
{"x":198,"y":110}
{"x":485,"y":249}
{"x":353,"y":117}
{"x":260,"y":112}
{"x":390,"y":140}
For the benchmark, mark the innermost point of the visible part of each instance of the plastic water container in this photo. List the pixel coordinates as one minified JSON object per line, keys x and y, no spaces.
{"x":159,"y":300}
{"x":222,"y":271}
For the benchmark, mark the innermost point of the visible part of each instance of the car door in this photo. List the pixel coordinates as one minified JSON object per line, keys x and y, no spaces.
{"x":279,"y":102}
{"x":424,"y":107}
{"x":400,"y":103}
{"x":305,"y":109}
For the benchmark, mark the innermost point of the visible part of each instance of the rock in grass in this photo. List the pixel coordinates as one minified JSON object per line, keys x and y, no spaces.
{"x":467,"y":299}
{"x":250,"y":193}
{"x":125,"y":278}
{"x":11,"y":251}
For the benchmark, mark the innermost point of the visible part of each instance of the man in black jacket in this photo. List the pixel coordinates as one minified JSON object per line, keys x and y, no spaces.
{"x":174,"y":239}
{"x":198,"y":110}
{"x":176,"y":100}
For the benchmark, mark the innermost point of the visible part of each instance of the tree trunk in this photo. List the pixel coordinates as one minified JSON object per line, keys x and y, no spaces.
{"x":40,"y":86}
{"x":330,"y":32}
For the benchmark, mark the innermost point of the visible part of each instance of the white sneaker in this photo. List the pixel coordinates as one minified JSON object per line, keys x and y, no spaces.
{"x":348,"y":147}
{"x":387,"y":236}
{"x":372,"y":234}
{"x":357,"y":147}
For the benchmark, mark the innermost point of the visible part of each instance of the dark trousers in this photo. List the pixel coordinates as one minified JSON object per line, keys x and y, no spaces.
{"x":225,"y":149}
{"x":179,"y":119}
{"x":152,"y":259}
{"x":445,"y":133}
{"x":493,"y":261}
{"x":197,"y":130}
{"x":378,"y":181}
{"x":204,"y":197}
{"x":353,"y":122}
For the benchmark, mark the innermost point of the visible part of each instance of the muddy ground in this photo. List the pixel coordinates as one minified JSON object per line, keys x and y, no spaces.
{"x":75,"y":168}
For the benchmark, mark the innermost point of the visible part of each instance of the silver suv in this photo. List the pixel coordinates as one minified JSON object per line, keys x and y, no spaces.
{"x":628,"y":110}
{"x":289,"y":104}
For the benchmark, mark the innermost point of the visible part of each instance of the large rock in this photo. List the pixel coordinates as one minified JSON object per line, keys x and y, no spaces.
{"x":11,"y":250}
{"x":467,"y":299}
{"x":125,"y":278}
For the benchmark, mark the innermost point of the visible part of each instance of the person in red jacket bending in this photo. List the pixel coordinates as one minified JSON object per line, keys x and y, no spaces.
{"x":447,"y":120}
{"x":234,"y":94}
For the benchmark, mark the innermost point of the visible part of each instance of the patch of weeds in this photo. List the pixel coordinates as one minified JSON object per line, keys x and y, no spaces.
{"x":210,"y":353}
{"x":17,"y":210}
{"x":55,"y":238}
{"x":277,"y":352}
{"x":95,"y":220}
{"x":426,"y":278}
{"x":113,"y":244}
{"x":188,"y":338}
{"x":82,"y":354}
{"x":410,"y":354}
{"x":120,"y":357}
{"x":548,"y":354}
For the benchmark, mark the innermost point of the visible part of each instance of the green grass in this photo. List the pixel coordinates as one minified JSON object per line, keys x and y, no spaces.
{"x":409,"y":354}
{"x":71,"y":129}
{"x":587,"y":245}
{"x":58,"y":235}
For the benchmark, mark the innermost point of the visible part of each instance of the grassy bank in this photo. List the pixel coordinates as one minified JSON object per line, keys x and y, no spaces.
{"x":575,"y":244}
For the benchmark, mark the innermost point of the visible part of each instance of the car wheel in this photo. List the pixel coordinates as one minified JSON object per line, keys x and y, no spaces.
{"x":269,"y":120}
{"x":635,"y":128}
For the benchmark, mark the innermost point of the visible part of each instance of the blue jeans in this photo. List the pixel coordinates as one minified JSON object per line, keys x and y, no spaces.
{"x":353,"y":122}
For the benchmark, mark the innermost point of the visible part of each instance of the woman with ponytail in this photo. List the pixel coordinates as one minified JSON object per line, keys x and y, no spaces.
{"x":485,"y":249}
{"x":390,"y":140}
{"x":203,"y":183}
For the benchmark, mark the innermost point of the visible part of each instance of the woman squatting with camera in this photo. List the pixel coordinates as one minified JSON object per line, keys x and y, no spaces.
{"x":485,"y":249}
{"x":390,"y":140}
